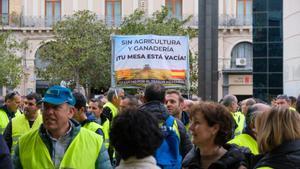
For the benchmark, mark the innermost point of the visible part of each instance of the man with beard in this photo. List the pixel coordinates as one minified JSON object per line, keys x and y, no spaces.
{"x":30,"y":120}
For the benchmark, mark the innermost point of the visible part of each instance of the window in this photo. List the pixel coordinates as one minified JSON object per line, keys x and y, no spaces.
{"x":113,"y":12}
{"x":260,"y":65}
{"x":143,"y":5}
{"x":53,"y":11}
{"x":244,"y":8}
{"x":242,"y":50}
{"x":227,"y":7}
{"x":260,"y":19}
{"x":260,"y":80}
{"x":3,"y":12}
{"x":260,"y":50}
{"x":174,"y":8}
{"x":259,"y":5}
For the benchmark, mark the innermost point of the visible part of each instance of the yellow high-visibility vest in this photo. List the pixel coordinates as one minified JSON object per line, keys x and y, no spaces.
{"x":20,"y":126}
{"x":240,"y":121}
{"x":113,"y":108}
{"x":106,"y":128}
{"x":4,"y":120}
{"x":245,"y":140}
{"x":82,"y":153}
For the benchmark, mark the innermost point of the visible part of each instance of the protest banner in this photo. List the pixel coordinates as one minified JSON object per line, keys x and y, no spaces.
{"x":141,"y":59}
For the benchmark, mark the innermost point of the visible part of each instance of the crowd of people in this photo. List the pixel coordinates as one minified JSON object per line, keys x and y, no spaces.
{"x":158,"y":129}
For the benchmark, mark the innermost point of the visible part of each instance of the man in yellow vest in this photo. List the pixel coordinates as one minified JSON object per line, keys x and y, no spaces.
{"x":110,"y":109}
{"x":248,"y":137}
{"x":59,"y":142}
{"x":9,"y":109}
{"x":81,"y":117}
{"x":231,"y":102}
{"x":30,"y":120}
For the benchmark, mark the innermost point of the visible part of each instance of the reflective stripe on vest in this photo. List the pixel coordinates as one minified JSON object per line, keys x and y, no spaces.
{"x":82,"y":153}
{"x":240,"y":121}
{"x":20,"y":126}
{"x":245,"y":140}
{"x":113,"y":108}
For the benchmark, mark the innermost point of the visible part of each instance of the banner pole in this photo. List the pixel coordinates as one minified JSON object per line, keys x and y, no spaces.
{"x":188,"y":70}
{"x":112,"y":70}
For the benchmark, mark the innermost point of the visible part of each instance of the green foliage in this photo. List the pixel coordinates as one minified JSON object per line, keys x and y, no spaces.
{"x":11,"y":70}
{"x":160,"y":24}
{"x":80,"y":52}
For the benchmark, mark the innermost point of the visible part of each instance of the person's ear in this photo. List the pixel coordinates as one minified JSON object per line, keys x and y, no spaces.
{"x":215,"y":129}
{"x":181,"y":105}
{"x":143,"y":99}
{"x":82,"y":109}
{"x":71,"y":112}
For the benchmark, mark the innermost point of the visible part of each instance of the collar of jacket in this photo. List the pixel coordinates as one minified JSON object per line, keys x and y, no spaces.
{"x":233,"y":158}
{"x":47,"y":140}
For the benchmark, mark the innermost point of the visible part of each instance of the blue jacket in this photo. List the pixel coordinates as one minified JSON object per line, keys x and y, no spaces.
{"x":5,"y":161}
{"x":159,"y":110}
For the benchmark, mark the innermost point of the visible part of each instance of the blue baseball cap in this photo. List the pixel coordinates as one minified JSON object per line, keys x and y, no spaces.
{"x":58,"y":95}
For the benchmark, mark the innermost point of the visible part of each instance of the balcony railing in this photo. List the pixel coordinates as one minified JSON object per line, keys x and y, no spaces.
{"x":47,"y":22}
{"x":228,"y":20}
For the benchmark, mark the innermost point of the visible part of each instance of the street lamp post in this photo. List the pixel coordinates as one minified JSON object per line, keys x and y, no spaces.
{"x":208,"y":50}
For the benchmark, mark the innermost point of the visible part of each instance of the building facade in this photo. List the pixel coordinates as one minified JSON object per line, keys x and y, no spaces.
{"x":31,"y":20}
{"x":291,"y":50}
{"x":267,"y":49}
{"x":235,"y":48}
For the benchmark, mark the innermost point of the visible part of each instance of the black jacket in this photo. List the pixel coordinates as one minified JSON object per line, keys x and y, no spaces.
{"x":287,"y":155}
{"x":161,"y":113}
{"x":232,"y":159}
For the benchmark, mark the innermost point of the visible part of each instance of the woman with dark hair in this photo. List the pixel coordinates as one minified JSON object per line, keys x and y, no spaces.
{"x":211,"y":128}
{"x":135,"y":135}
